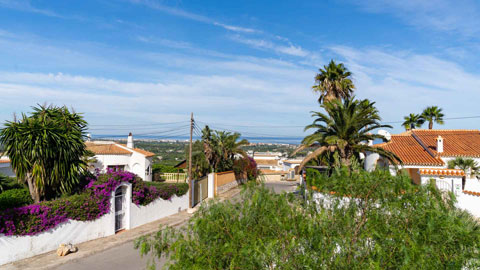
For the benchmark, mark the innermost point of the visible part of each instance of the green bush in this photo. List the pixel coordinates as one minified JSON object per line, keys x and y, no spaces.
{"x":7,"y":183}
{"x":14,"y":198}
{"x":179,"y":189}
{"x":373,"y":221}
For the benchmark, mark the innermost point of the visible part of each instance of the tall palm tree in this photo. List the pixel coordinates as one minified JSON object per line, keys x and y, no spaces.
{"x":345,"y":129}
{"x":433,"y":114}
{"x":413,"y":121}
{"x":333,"y":82}
{"x":47,"y":150}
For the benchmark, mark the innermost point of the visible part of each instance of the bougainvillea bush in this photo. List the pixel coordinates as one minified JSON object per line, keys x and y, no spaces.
{"x":91,"y":204}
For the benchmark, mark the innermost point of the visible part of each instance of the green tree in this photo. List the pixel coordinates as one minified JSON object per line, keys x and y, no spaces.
{"x":333,"y":82}
{"x":345,"y":129}
{"x":391,"y":224}
{"x":221,"y":147}
{"x":433,"y":114}
{"x":47,"y":150}
{"x":413,"y":121}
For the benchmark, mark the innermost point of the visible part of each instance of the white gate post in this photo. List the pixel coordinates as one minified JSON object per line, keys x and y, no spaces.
{"x":211,"y":185}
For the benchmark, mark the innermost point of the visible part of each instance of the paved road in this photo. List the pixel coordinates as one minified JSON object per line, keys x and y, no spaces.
{"x":126,"y":257}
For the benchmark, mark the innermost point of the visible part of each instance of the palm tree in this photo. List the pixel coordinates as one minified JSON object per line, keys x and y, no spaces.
{"x":221,"y":148}
{"x":433,"y":114}
{"x":345,"y":129}
{"x":468,"y":165}
{"x":413,"y":121}
{"x":333,"y":82}
{"x":46,"y":150}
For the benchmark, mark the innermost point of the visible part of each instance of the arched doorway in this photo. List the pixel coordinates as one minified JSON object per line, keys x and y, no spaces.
{"x":120,"y":208}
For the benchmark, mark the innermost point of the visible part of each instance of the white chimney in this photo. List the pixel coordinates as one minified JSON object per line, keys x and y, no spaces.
{"x":130,"y":141}
{"x":89,"y":137}
{"x":439,"y":144}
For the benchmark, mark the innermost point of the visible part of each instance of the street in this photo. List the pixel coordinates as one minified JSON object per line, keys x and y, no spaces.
{"x":124,"y":256}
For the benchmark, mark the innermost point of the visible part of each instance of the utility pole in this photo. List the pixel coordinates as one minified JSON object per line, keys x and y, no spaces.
{"x":190,"y":178}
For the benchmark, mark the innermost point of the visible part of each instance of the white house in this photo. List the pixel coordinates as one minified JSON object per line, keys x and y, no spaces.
{"x":122,"y":157}
{"x":5,"y":167}
{"x":275,"y":166}
{"x":425,"y":154}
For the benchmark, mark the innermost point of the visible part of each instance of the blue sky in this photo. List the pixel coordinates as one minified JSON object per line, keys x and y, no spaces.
{"x":236,"y":64}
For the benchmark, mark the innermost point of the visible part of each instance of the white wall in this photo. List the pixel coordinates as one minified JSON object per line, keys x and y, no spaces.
{"x":13,"y":248}
{"x":471,"y":203}
{"x":135,"y":163}
{"x":157,"y":209}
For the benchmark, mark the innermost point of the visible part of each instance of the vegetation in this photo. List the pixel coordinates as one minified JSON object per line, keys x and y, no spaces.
{"x":14,"y":198}
{"x":333,"y":83}
{"x":343,"y":131}
{"x":468,"y":165}
{"x":7,"y":183}
{"x":413,"y":121}
{"x":391,"y":224}
{"x":46,"y":150}
{"x":91,"y":204}
{"x":433,"y":114}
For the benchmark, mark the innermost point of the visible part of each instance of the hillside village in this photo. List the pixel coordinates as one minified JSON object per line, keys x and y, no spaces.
{"x":159,"y":135}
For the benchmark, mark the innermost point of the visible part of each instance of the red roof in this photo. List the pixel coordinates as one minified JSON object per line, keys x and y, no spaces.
{"x":419,"y":146}
{"x":410,"y":151}
{"x":4,"y":160}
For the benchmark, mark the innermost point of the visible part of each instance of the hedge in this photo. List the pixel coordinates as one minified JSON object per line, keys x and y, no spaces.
{"x":14,"y":198}
{"x":91,"y":204}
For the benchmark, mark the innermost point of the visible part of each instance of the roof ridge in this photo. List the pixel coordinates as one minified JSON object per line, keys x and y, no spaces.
{"x":432,"y":130}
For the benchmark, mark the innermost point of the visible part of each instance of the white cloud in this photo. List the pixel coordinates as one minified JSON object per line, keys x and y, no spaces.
{"x":405,"y":82}
{"x":289,"y":49}
{"x":25,"y":5}
{"x":459,"y":16}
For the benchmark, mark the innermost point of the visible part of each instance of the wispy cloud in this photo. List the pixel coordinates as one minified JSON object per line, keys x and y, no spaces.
{"x":25,"y":5}
{"x":192,"y":16}
{"x":442,"y":15}
{"x":403,"y":82}
{"x":289,"y":49}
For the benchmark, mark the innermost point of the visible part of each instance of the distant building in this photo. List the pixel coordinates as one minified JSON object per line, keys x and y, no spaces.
{"x":5,"y":167}
{"x":122,"y":157}
{"x":275,"y":166}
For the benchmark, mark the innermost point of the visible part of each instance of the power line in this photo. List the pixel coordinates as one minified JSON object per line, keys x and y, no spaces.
{"x":137,"y":124}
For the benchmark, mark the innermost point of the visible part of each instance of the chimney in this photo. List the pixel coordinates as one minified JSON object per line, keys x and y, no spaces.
{"x":439,"y":144}
{"x":130,"y":140}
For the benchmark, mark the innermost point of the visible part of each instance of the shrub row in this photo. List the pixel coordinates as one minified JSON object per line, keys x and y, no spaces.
{"x":91,"y":204}
{"x":14,"y":198}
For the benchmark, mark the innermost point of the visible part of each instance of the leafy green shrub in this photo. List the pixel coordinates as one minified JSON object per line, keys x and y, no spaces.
{"x":7,"y":183}
{"x":373,"y":221}
{"x":14,"y":198}
{"x":178,"y":189}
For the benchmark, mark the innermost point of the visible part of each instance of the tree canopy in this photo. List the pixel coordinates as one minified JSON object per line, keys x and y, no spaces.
{"x":433,"y":114}
{"x":373,"y":221}
{"x":47,"y":150}
{"x":345,"y":129}
{"x":413,"y":121}
{"x":333,"y":82}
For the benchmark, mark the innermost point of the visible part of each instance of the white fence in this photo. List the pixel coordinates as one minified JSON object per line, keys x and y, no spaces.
{"x":13,"y":248}
{"x":174,"y":177}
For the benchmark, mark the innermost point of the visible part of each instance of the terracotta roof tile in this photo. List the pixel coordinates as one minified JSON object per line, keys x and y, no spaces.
{"x":410,"y":151}
{"x":456,"y":143}
{"x":4,"y":160}
{"x":141,"y":151}
{"x":106,"y":149}
{"x":265,"y":171}
{"x":446,"y":172}
{"x":270,"y":162}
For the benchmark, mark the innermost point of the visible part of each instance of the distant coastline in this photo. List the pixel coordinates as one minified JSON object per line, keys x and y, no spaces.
{"x":260,"y":140}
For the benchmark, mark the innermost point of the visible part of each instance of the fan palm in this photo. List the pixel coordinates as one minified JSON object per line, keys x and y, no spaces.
{"x":413,"y":121}
{"x":433,"y":114}
{"x":333,"y":82}
{"x":345,"y":129}
{"x":468,"y":165}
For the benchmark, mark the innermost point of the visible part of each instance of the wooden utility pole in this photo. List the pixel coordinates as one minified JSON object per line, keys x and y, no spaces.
{"x":190,"y":178}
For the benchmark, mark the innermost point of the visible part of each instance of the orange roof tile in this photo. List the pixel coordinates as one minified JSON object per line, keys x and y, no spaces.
{"x":271,"y":162}
{"x":4,"y":160}
{"x":447,"y":172}
{"x":106,"y":149}
{"x":141,"y":151}
{"x":265,"y":171}
{"x":456,"y":143}
{"x":410,"y":151}
{"x":471,"y":193}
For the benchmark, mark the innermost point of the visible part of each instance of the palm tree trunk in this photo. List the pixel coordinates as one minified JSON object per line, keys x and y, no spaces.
{"x":33,"y":188}
{"x":430,"y":125}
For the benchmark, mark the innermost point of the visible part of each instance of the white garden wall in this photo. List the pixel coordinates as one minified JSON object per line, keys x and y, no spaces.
{"x":157,"y":209}
{"x":13,"y":248}
{"x":471,"y":203}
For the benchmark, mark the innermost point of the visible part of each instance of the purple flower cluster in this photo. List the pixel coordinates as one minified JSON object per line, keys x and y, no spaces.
{"x":91,"y":204}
